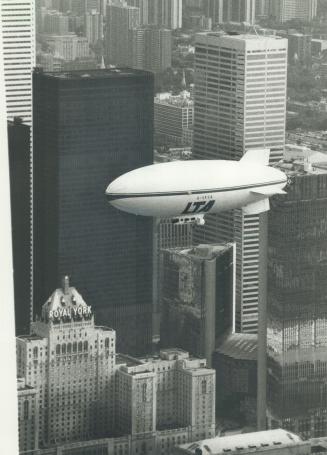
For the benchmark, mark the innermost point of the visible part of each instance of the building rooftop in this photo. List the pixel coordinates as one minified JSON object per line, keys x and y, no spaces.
{"x":30,"y":337}
{"x":249,"y":442}
{"x":202,"y":251}
{"x":241,"y":346}
{"x":107,"y":73}
{"x":129,"y":361}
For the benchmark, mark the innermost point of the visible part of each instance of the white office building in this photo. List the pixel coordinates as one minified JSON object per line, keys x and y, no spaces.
{"x":240,"y":103}
{"x":18,"y":33}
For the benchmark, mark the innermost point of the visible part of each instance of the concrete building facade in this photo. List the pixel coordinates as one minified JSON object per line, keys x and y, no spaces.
{"x":18,"y":48}
{"x":239,"y":104}
{"x":173,"y":114}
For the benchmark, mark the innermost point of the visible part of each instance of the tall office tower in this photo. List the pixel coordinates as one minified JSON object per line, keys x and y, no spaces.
{"x":235,"y":362}
{"x":173,"y":114}
{"x":28,"y":419}
{"x":299,"y":48}
{"x":93,"y":26}
{"x":296,"y":306}
{"x":143,"y":6}
{"x":91,"y":127}
{"x":150,"y":48}
{"x":120,"y":20}
{"x":285,"y":10}
{"x":170,"y":13}
{"x":166,"y":13}
{"x":261,"y":8}
{"x":20,"y":192}
{"x":230,"y":10}
{"x":240,"y":103}
{"x":55,"y":23}
{"x":9,"y":418}
{"x":197,"y":297}
{"x":71,"y":362}
{"x":158,"y":49}
{"x":18,"y":41}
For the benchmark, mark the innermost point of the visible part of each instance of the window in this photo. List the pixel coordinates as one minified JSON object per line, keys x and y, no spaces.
{"x":144,"y":387}
{"x":204,"y":386}
{"x":26,"y":409}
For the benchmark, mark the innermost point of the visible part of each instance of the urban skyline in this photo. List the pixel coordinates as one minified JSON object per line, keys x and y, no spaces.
{"x":147,"y":336}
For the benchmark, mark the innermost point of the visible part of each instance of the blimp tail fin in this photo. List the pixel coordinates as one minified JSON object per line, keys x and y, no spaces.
{"x":256,"y":156}
{"x":256,"y":207}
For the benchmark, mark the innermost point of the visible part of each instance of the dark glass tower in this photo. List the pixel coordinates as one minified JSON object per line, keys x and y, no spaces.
{"x":297,"y":304}
{"x":89,"y":128}
{"x":19,"y":161}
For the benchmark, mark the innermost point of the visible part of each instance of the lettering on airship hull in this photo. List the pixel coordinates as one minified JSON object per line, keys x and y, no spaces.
{"x":198,"y":207}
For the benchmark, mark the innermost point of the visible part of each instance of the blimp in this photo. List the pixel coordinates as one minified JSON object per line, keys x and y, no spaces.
{"x":186,"y":191}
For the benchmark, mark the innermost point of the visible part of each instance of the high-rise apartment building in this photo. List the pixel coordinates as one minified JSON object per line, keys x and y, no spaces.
{"x":296,"y":305}
{"x":173,"y":114}
{"x":240,"y":104}
{"x":230,"y":10}
{"x":166,"y":13}
{"x":90,"y":127}
{"x":197,"y":297}
{"x":150,"y":48}
{"x":170,"y":13}
{"x":93,"y":26}
{"x":285,"y":10}
{"x":19,"y":146}
{"x":18,"y":47}
{"x":68,"y":47}
{"x":120,"y":20}
{"x":144,"y":6}
{"x":56,"y":23}
{"x":71,"y":363}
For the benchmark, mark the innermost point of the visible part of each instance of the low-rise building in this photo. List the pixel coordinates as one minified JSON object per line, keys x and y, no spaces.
{"x":274,"y":442}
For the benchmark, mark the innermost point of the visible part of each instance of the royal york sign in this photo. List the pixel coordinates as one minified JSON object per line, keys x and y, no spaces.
{"x":70,"y":312}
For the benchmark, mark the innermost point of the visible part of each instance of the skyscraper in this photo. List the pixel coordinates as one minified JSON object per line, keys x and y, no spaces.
{"x":285,"y":10}
{"x":18,"y":35}
{"x":93,"y":26}
{"x":166,"y":13}
{"x":150,"y":48}
{"x":230,"y":10}
{"x":120,"y":19}
{"x":91,"y":127}
{"x":20,"y":191}
{"x":197,"y":297}
{"x":296,"y":306}
{"x":143,"y":6}
{"x":240,"y":103}
{"x":9,"y":418}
